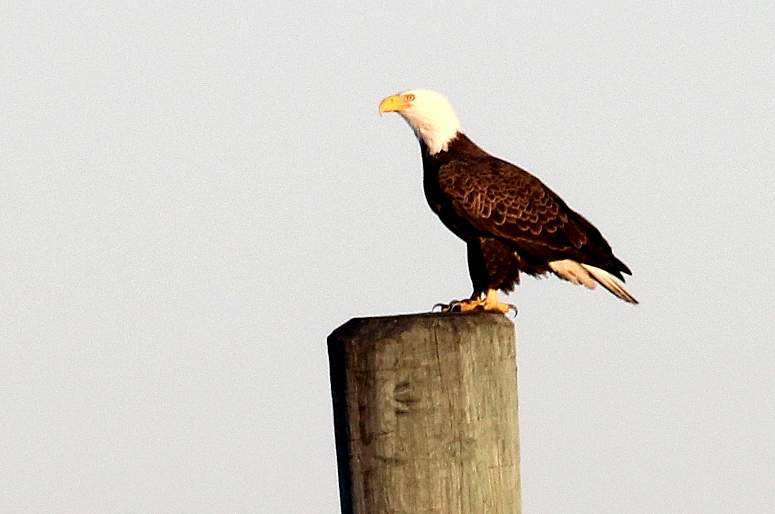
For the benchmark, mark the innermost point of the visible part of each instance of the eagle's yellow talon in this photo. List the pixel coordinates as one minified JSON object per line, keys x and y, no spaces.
{"x":489,"y":303}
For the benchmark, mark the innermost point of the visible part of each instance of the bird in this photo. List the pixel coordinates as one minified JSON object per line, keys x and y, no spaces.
{"x":511,"y":222}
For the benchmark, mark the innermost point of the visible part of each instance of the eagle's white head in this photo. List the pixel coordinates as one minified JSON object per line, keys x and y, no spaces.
{"x":428,"y":113}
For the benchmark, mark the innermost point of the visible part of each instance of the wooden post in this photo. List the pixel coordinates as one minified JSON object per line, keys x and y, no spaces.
{"x":425,"y":414}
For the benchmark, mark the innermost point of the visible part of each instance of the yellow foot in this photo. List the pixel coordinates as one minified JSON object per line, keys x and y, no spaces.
{"x":503,"y":308}
{"x":469,"y":305}
{"x":492,"y":304}
{"x":489,"y":304}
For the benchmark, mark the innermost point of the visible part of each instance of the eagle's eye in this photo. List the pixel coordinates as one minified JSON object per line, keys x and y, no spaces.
{"x":409,"y":97}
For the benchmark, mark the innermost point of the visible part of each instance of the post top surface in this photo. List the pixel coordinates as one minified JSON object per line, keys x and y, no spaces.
{"x":403,"y":322}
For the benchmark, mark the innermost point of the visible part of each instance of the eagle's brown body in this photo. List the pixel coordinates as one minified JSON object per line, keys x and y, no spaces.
{"x":509,"y":219}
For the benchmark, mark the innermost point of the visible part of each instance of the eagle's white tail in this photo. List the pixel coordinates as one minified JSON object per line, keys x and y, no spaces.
{"x":588,"y":276}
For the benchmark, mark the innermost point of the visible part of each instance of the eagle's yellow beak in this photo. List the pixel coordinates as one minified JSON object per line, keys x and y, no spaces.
{"x":393,"y":103}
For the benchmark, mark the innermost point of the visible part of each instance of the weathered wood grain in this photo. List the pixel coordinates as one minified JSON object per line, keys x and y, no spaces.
{"x":425,"y":414}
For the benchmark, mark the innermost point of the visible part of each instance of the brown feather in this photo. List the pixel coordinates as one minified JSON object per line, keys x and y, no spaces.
{"x":509,"y":218}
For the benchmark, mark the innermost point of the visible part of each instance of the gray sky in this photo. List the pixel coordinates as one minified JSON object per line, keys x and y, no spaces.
{"x":192,"y":197}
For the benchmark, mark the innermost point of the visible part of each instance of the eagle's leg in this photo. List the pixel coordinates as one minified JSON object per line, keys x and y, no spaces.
{"x":491,"y":303}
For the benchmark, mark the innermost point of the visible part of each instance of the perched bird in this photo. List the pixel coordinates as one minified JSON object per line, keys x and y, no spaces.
{"x":509,"y":219}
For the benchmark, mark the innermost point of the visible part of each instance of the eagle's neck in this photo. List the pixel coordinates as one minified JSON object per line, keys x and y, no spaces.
{"x":435,"y":130}
{"x":435,"y":140}
{"x":459,"y":147}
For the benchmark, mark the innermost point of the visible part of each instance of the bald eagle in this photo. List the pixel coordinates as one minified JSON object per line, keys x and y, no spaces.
{"x":509,"y":220}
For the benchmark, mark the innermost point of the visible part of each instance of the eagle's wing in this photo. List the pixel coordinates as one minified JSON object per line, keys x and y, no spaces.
{"x":509,"y":203}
